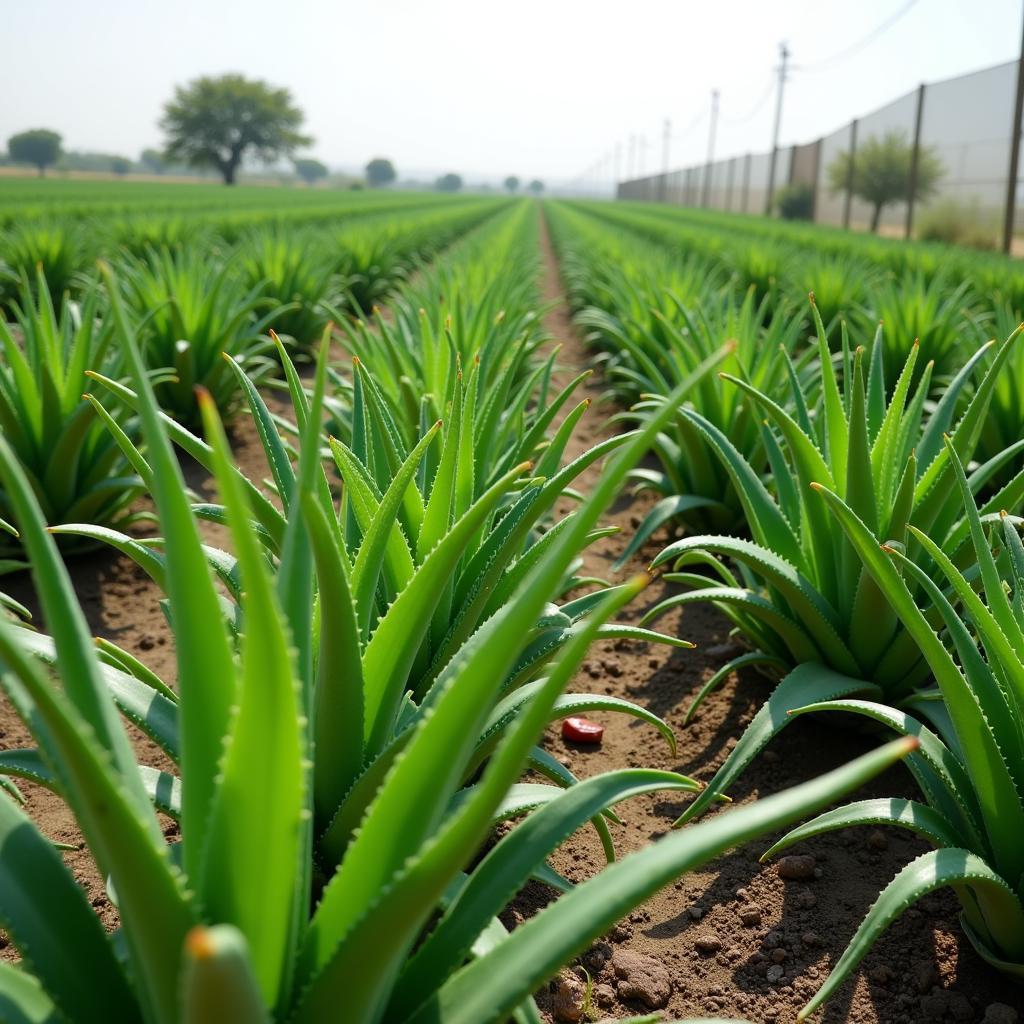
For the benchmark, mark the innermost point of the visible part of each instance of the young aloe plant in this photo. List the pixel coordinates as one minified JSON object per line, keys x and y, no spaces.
{"x":471,"y":309}
{"x":75,"y":466}
{"x":429,"y":556}
{"x":695,"y":486}
{"x":839,"y":283}
{"x":296,"y":266}
{"x":1004,"y":424}
{"x":229,"y":919}
{"x":655,"y":317}
{"x":799,"y":592}
{"x":377,"y":254}
{"x":189,"y":307}
{"x":931,"y":309}
{"x":971,"y":768}
{"x":59,"y":249}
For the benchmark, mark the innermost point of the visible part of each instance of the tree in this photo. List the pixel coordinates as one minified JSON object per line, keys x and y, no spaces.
{"x":379,"y":172}
{"x":215,"y":122}
{"x":882,"y":171}
{"x":153,"y":160}
{"x":536,"y":186}
{"x":512,"y":184}
{"x":310,"y":170}
{"x":448,"y":183}
{"x":120,"y":165}
{"x":38,"y":147}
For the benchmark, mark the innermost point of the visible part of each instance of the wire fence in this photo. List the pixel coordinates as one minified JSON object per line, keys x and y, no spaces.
{"x":958,"y":136}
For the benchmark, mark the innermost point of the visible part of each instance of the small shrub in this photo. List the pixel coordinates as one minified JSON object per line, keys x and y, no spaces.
{"x":796,"y":202}
{"x":959,"y":223}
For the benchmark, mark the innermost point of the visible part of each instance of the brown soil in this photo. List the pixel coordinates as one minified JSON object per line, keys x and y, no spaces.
{"x":923,"y":970}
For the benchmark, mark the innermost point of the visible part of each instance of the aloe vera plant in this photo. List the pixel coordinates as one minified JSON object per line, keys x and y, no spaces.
{"x":377,"y":255}
{"x":415,"y":521}
{"x":298,"y":268}
{"x":654,"y":317}
{"x":931,"y":310}
{"x":694,"y":484}
{"x":226,"y":920}
{"x":1004,"y":424}
{"x":189,"y":308}
{"x":839,"y":284}
{"x":137,"y":234}
{"x":76,"y":469}
{"x":970,"y":767}
{"x":799,"y":592}
{"x":476,"y":306}
{"x":59,"y":249}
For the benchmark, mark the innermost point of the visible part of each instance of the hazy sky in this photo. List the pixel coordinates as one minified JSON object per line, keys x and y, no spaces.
{"x":533,"y":87}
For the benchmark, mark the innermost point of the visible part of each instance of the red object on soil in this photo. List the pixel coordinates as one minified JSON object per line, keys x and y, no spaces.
{"x":582,"y":730}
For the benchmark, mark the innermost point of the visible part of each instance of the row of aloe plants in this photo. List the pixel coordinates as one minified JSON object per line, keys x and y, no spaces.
{"x":188,"y":308}
{"x":67,"y":246}
{"x":847,"y":271}
{"x":108,"y":204}
{"x":361,"y":683}
{"x":874,"y":565}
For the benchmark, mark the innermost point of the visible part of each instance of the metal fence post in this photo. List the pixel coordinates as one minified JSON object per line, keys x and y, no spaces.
{"x":915,"y":162}
{"x":746,"y":181}
{"x":1011,"y":185}
{"x":817,"y":174}
{"x":848,"y":201}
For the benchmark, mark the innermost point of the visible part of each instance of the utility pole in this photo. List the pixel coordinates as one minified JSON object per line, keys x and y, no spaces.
{"x":618,"y":163}
{"x":915,"y":156}
{"x":643,"y":155}
{"x":632,"y":157}
{"x":711,"y":147}
{"x":784,"y":52}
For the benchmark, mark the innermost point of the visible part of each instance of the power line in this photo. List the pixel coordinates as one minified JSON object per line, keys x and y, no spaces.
{"x":756,"y":109}
{"x":824,"y":65}
{"x":814,"y":67}
{"x":688,"y":130}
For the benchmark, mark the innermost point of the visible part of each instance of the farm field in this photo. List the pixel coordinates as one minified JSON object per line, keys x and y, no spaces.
{"x":373,"y":494}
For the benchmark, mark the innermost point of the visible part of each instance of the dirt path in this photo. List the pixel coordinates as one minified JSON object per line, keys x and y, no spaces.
{"x":717,"y":936}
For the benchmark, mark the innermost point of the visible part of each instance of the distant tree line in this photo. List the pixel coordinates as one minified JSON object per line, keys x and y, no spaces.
{"x":218,"y":123}
{"x":512,"y":184}
{"x":42,"y":149}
